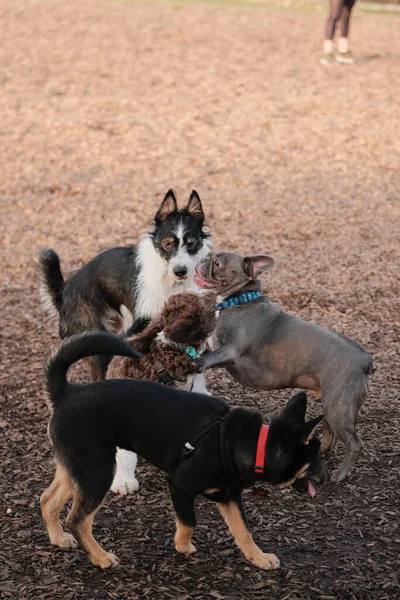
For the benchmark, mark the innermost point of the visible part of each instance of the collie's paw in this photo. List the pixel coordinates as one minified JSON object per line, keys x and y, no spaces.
{"x":105,"y":560}
{"x":266,"y":561}
{"x":124,"y":488}
{"x":186,"y":548}
{"x":66,"y":541}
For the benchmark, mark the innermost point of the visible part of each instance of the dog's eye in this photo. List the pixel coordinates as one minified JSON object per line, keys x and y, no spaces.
{"x":167,"y":244}
{"x":190,"y":243}
{"x":233,"y":272}
{"x":217,"y":263}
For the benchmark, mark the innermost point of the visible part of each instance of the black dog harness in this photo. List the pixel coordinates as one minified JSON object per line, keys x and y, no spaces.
{"x":234,"y":485}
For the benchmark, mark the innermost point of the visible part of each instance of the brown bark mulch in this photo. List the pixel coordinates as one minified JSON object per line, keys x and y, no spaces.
{"x":104,"y":106}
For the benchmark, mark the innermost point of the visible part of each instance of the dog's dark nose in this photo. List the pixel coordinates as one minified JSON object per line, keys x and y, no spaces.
{"x":180,"y":271}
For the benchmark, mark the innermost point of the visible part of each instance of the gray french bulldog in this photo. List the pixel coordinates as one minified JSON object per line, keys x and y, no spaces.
{"x":265,"y":348}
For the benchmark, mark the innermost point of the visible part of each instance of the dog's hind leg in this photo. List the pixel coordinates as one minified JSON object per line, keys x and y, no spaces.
{"x":233,"y":514}
{"x":185,"y":520}
{"x":98,"y":366}
{"x":341,"y":415}
{"x":354,"y":446}
{"x":87,"y":500}
{"x":329,"y":439}
{"x":52,"y":502}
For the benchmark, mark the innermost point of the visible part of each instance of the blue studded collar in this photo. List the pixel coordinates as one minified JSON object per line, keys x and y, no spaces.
{"x":240,"y":299}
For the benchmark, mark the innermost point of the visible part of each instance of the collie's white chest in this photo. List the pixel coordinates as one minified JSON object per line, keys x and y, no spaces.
{"x":156,"y":281}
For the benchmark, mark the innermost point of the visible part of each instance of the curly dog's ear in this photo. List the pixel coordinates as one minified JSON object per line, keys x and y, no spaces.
{"x":194,"y":323}
{"x":143,"y":340}
{"x":184,"y":330}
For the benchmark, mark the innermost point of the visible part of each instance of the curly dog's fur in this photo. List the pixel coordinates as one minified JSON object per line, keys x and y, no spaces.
{"x":186,"y":318}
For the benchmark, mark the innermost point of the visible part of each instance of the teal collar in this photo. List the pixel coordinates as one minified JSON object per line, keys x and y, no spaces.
{"x":192,"y":352}
{"x":240,"y":299}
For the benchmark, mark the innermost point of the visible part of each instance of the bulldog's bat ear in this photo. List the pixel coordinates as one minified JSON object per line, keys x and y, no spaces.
{"x":194,"y":207}
{"x":306,"y":430}
{"x":295,"y":409}
{"x":167,"y":207}
{"x":254,"y":265}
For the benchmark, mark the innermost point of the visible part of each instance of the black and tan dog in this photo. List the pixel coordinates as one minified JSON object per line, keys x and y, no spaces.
{"x":203,"y":445}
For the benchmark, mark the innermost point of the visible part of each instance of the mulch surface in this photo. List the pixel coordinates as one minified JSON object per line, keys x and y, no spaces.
{"x":105,"y":105}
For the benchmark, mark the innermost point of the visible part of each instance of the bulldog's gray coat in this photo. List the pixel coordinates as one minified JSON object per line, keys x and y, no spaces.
{"x":265,"y":348}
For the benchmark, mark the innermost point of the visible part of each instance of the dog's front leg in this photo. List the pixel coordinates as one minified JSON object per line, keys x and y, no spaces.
{"x":185,"y":519}
{"x":125,"y":481}
{"x":226,"y":355}
{"x":233,"y":513}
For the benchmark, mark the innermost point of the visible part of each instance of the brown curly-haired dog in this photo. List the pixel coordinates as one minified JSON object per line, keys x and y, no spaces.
{"x":186,"y":319}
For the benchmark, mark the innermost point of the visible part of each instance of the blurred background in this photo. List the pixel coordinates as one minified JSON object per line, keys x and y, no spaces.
{"x":104,"y":106}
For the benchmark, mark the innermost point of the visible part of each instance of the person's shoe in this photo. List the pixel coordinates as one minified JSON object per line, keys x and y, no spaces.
{"x":345,"y":58}
{"x":327,"y":59}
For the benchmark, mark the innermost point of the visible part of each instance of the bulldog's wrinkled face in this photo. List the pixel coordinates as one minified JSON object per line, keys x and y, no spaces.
{"x":227,"y":272}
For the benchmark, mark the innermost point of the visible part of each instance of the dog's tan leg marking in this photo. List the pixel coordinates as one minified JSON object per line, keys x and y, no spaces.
{"x":212,"y":490}
{"x":81,"y":526}
{"x":329,"y":439}
{"x":182,"y":538}
{"x":52,"y":502}
{"x":244,"y":539}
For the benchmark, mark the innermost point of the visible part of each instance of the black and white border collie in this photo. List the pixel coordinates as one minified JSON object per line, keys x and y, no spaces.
{"x":121,"y":289}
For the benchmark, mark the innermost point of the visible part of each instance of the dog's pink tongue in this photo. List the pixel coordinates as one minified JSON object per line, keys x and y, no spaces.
{"x":311,"y":489}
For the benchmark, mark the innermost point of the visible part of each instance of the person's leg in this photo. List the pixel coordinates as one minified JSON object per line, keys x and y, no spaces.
{"x":343,"y":41}
{"x":333,"y":18}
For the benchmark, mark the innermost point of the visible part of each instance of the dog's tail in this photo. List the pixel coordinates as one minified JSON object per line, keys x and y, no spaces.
{"x":73,"y":349}
{"x":52,"y":281}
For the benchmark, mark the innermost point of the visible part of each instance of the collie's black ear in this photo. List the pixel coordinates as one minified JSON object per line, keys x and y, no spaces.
{"x":254,"y":265}
{"x":194,"y":207}
{"x":295,"y":409}
{"x":307,"y":429}
{"x":167,"y":207}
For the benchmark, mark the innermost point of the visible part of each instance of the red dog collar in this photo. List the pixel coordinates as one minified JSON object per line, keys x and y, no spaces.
{"x":261,"y":445}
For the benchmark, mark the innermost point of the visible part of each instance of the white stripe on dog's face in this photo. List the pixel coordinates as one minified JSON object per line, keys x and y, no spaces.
{"x":181,"y":260}
{"x":180,"y":234}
